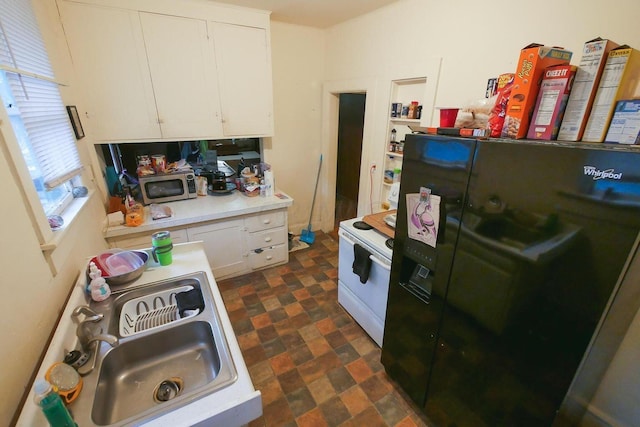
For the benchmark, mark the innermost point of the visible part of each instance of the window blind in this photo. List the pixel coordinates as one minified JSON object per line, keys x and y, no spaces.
{"x":25,"y":60}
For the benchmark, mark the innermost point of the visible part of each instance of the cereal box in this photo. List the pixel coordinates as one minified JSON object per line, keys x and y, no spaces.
{"x":534,"y":59}
{"x":585,"y":85}
{"x":551,"y":102}
{"x":620,"y":80}
{"x":499,"y":110}
{"x":625,"y":124}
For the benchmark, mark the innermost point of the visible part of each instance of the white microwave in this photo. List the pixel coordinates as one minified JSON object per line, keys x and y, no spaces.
{"x":168,"y":187}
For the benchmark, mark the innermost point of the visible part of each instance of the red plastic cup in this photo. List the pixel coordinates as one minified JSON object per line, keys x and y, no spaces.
{"x":448,"y":117}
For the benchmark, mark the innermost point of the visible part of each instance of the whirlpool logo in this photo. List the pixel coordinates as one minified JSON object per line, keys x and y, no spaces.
{"x":601,"y":174}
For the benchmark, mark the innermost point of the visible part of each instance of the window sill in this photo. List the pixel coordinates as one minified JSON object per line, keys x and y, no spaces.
{"x":68,"y":215}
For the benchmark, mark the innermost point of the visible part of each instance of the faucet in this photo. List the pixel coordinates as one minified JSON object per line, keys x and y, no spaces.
{"x":90,"y":334}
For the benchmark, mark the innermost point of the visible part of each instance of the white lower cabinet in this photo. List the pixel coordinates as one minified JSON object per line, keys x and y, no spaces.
{"x":234,"y":246}
{"x":267,"y":239}
{"x":224,"y":245}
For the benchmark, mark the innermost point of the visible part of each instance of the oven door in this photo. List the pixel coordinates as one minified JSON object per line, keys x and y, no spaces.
{"x":365,"y":302}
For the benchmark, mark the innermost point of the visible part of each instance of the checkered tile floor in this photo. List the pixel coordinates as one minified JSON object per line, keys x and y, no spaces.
{"x":311,"y":361}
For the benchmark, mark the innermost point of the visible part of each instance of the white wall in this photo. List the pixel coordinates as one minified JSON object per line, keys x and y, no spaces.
{"x":616,"y":400}
{"x":31,"y":298}
{"x":294,"y":151}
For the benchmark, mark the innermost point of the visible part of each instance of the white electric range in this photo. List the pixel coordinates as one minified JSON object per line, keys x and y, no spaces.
{"x":365,"y":302}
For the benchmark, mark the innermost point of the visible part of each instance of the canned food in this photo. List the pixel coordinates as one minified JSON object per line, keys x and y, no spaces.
{"x":396,"y":109}
{"x":159,"y":162}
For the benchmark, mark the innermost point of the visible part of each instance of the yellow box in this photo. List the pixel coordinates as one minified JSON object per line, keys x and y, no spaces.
{"x":620,"y":80}
{"x":585,"y":85}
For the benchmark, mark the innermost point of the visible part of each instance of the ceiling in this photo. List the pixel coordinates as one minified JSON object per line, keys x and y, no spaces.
{"x":313,"y":13}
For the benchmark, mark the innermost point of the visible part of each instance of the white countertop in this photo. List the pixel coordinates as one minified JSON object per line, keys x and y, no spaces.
{"x":234,"y":405}
{"x":205,"y":208}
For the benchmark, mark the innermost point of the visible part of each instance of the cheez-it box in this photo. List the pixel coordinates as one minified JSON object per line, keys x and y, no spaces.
{"x":551,"y":102}
{"x":534,"y":59}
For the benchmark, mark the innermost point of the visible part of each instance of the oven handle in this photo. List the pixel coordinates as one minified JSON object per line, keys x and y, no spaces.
{"x":343,"y":235}
{"x":380,"y":263}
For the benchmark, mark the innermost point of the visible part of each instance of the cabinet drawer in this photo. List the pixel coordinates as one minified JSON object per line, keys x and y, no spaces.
{"x":272,"y":237}
{"x":265,"y":221}
{"x":139,"y":242}
{"x":268,"y":256}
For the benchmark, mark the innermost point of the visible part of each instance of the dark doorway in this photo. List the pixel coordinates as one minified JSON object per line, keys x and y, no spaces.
{"x":350,"y":129}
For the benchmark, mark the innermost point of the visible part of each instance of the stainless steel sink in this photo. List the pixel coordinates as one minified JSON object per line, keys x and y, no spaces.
{"x":133,"y":375}
{"x":156,"y":369}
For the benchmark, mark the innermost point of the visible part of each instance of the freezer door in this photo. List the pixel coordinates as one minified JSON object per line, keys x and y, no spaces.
{"x":544,"y":236}
{"x":419,"y":270}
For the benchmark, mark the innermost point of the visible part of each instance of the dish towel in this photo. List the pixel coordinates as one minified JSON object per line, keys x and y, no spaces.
{"x":189,"y":300}
{"x":361,"y":262}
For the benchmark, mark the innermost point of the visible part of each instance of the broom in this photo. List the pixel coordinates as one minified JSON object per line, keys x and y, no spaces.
{"x":307,"y":235}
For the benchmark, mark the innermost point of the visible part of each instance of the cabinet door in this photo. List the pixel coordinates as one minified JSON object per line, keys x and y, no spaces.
{"x":108,"y":53}
{"x":182,"y":69}
{"x":224,"y":246}
{"x":244,"y":78}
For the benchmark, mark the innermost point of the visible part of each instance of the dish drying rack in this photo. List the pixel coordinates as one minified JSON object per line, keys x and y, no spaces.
{"x":152,"y":311}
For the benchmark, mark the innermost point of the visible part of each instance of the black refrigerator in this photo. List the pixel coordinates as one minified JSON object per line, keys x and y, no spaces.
{"x":507,"y":255}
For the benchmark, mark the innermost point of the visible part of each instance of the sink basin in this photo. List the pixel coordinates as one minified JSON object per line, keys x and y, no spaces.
{"x":131,"y":374}
{"x":170,"y":361}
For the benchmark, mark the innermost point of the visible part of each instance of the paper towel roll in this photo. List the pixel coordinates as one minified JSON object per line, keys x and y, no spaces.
{"x":269,"y":183}
{"x":115,"y":218}
{"x":394,"y":193}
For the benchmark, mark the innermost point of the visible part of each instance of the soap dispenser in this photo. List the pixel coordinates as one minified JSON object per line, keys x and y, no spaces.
{"x":52,"y":405}
{"x":98,"y":287}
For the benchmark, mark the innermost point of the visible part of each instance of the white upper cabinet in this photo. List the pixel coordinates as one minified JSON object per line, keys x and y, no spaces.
{"x":168,"y":74}
{"x":107,"y":49}
{"x":243,"y":56}
{"x":181,"y":65}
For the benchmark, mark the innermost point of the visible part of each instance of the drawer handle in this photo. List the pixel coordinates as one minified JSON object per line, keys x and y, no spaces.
{"x":269,"y":257}
{"x":266,"y":221}
{"x":267,"y":239}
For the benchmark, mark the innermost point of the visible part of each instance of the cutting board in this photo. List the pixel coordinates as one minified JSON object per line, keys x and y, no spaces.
{"x":377,"y":222}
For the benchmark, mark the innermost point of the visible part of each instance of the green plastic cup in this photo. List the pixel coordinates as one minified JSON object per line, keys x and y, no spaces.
{"x":162,"y":247}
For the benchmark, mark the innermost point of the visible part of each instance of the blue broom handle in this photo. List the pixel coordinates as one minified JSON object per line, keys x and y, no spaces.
{"x":313,"y":202}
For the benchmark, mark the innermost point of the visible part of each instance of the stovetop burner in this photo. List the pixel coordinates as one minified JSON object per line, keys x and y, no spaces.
{"x":361,"y":225}
{"x":389,"y":243}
